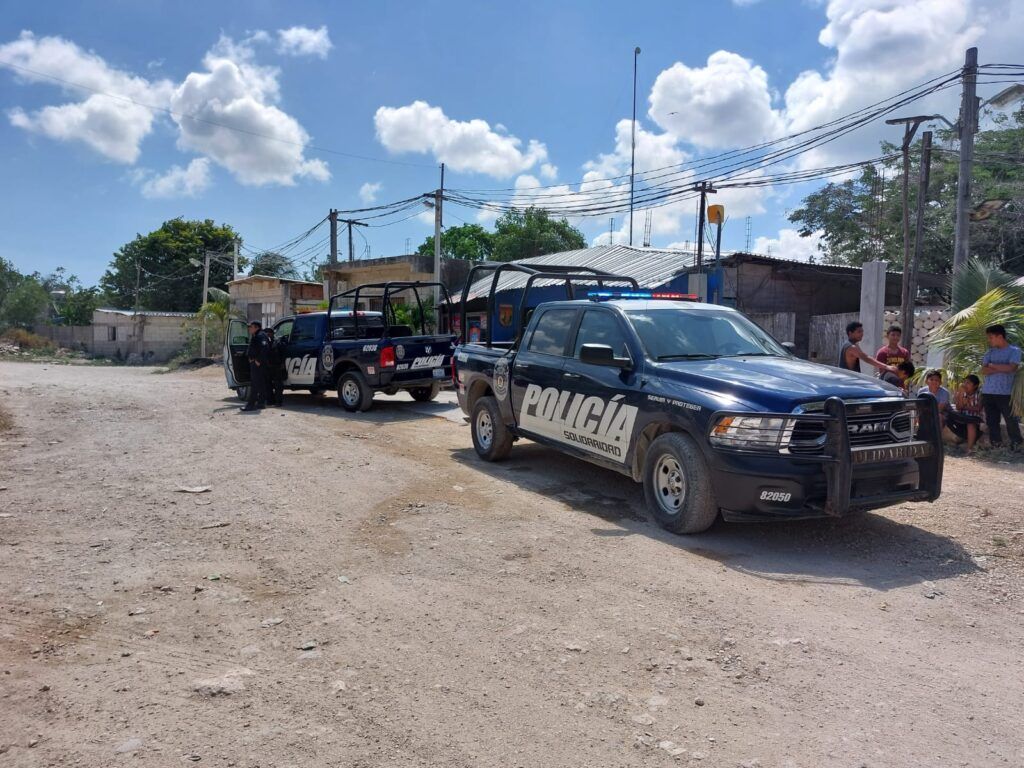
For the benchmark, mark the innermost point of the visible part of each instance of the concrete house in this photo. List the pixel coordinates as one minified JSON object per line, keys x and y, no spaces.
{"x":268,"y":299}
{"x":150,"y":336}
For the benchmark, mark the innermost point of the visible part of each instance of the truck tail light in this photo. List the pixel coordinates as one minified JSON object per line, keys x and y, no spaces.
{"x":387,"y":357}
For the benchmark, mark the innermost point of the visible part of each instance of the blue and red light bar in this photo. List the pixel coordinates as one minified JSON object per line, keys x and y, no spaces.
{"x":670,"y":295}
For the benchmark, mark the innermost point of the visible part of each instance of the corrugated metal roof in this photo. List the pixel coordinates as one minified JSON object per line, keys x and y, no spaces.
{"x":651,"y":267}
{"x":246,"y":278}
{"x":144,"y":312}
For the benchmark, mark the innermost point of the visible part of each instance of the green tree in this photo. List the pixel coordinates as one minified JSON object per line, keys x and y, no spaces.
{"x":74,"y":303}
{"x":520,"y":235}
{"x":162,"y":263}
{"x":861,"y":219}
{"x":24,"y":304}
{"x":273,"y":264}
{"x":467,"y":241}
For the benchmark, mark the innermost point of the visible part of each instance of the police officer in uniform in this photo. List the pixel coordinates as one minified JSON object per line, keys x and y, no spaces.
{"x":259,"y":363}
{"x":275,"y":389}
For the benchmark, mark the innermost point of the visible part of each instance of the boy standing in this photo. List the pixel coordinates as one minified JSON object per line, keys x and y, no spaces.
{"x":892,"y":353}
{"x":999,"y":367}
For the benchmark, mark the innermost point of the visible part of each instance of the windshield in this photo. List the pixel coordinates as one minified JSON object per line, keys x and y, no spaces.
{"x":674,"y":334}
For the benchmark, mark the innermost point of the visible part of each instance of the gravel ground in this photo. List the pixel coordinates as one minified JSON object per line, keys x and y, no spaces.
{"x":362,"y":591}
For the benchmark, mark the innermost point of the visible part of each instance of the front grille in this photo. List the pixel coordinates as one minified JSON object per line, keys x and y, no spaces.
{"x":869,"y":426}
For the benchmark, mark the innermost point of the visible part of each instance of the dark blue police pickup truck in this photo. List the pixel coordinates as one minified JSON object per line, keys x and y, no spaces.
{"x":696,"y":402}
{"x":356,"y":351}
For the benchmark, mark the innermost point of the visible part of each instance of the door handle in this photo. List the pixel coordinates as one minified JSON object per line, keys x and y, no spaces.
{"x":571,"y":376}
{"x":522,"y":366}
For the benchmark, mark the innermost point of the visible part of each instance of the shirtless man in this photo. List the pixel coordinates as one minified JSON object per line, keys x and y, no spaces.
{"x":850,"y":355}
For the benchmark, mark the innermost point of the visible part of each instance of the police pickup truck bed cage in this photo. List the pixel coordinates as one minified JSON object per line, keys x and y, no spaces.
{"x":568,"y":274}
{"x":347,"y":325}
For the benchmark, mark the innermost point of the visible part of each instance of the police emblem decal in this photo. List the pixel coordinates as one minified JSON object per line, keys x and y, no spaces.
{"x":400,"y":352}
{"x":501,"y":378}
{"x":328,"y":357}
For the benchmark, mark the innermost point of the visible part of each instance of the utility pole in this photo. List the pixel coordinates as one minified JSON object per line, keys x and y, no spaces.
{"x":910,"y":126}
{"x":438,"y":224}
{"x":632,"y":160}
{"x":333,"y":216}
{"x":922,"y":201}
{"x":611,"y":231}
{"x":968,"y":124}
{"x":138,"y":282}
{"x":206,"y":290}
{"x":351,"y":248}
{"x":705,"y":189}
{"x":234,"y":272}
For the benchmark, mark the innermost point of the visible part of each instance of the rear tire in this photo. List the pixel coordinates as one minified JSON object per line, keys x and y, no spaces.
{"x":425,"y":394}
{"x":677,"y":485}
{"x":242,"y":393}
{"x":354,"y":394}
{"x":491,"y":437}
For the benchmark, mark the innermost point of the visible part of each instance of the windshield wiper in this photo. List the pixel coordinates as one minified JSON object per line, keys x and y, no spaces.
{"x":753,"y":354}
{"x":693,"y":356}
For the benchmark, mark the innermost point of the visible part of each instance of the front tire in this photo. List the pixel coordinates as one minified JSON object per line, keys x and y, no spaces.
{"x":491,"y":437}
{"x":354,"y":394}
{"x":425,"y":394}
{"x":677,"y":485}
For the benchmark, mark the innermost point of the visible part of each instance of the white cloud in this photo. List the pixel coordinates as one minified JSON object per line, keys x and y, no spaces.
{"x":178,"y":181}
{"x":726,"y":103}
{"x":232,"y":91}
{"x":303,"y":41}
{"x":467,"y":146}
{"x":112,"y":127}
{"x":881,"y":48}
{"x":239,"y":127}
{"x":790,"y":245}
{"x":368,"y":192}
{"x":549,"y":171}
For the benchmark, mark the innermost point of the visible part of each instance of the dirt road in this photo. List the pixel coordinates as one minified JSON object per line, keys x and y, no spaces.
{"x":361,"y":591}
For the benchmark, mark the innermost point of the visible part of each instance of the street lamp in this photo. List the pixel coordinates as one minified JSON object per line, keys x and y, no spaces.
{"x":632,"y":158}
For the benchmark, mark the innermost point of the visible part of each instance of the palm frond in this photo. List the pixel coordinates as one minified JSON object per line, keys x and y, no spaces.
{"x":963,"y":338}
{"x":977,"y":279}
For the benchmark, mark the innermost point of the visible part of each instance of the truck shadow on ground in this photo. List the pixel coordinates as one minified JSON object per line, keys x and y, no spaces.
{"x":866,"y":550}
{"x":384,"y":410}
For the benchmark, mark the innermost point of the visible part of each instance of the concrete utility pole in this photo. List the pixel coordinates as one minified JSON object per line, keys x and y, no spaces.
{"x":705,"y":189}
{"x":968,"y":124}
{"x":922,"y":201}
{"x":632,"y":160}
{"x":234,"y":271}
{"x":206,"y":290}
{"x":438,"y":224}
{"x":351,"y":223}
{"x":333,"y":217}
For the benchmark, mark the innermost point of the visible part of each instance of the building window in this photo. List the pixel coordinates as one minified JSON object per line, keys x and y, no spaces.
{"x":111,"y":333}
{"x":269,"y":313}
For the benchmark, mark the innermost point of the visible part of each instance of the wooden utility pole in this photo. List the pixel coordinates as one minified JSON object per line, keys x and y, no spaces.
{"x":910,"y":126}
{"x":632,"y":155}
{"x":234,"y":271}
{"x":967,"y":124}
{"x":922,"y":200}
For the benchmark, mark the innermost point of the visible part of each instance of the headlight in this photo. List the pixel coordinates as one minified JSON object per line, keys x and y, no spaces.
{"x":757,"y":433}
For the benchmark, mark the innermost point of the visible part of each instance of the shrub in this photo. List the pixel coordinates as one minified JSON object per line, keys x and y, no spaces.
{"x":26,"y":339}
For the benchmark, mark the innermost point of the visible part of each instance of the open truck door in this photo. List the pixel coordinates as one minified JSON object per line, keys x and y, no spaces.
{"x":236,"y":358}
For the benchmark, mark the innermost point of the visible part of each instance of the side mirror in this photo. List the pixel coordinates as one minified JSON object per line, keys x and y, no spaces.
{"x":602,"y":354}
{"x":789,"y":345}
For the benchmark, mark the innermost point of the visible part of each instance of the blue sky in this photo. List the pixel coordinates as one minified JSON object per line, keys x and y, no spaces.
{"x":509,"y":95}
